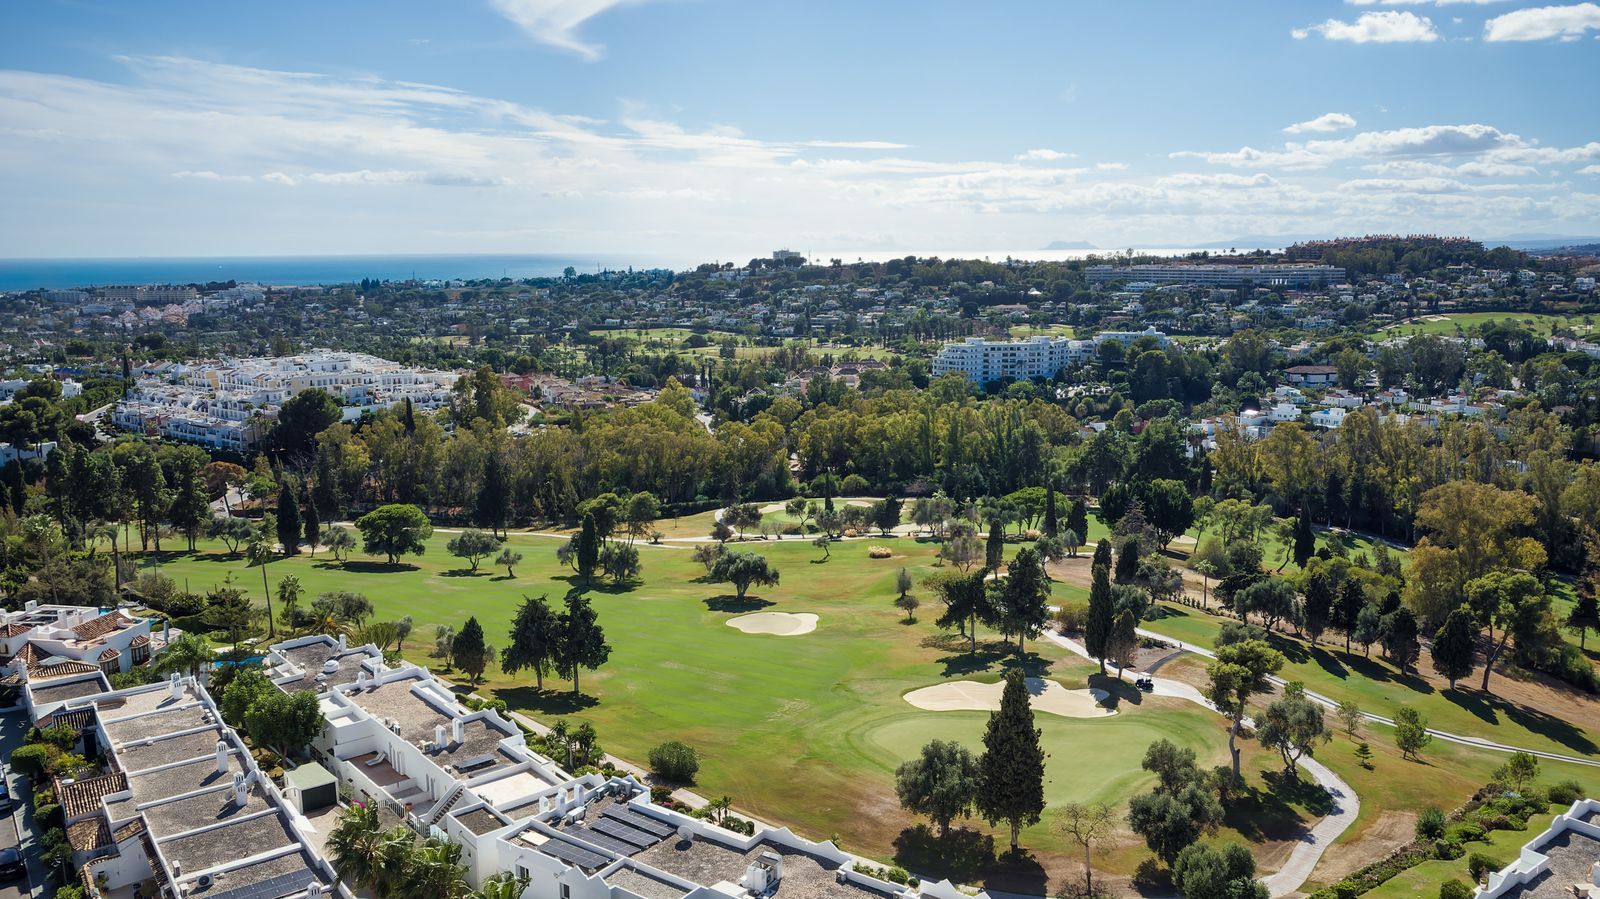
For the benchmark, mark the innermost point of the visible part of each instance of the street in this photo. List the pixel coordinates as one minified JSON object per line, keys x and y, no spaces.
{"x":13,"y":728}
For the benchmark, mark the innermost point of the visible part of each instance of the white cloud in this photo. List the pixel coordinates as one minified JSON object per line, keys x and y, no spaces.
{"x":1217,"y":179}
{"x":1432,"y":140}
{"x":556,"y":22}
{"x":1328,"y":121}
{"x":857,"y":145}
{"x":1042,"y":155}
{"x":1388,"y":27}
{"x":1111,"y":166}
{"x":1539,"y":23}
{"x":208,"y":175}
{"x":1589,"y":170}
{"x":279,"y":178}
{"x":1422,"y":2}
{"x":1495,"y":170}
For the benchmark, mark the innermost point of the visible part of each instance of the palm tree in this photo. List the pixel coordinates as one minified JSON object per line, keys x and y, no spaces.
{"x":289,"y":591}
{"x":353,"y":845}
{"x":189,"y":653}
{"x":394,"y":863}
{"x":260,"y":553}
{"x":504,"y":885}
{"x":436,"y":870}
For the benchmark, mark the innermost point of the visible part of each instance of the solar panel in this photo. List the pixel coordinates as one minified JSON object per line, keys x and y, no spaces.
{"x":272,"y":887}
{"x":613,"y":827}
{"x":642,"y":822}
{"x":603,"y":841}
{"x":573,"y":854}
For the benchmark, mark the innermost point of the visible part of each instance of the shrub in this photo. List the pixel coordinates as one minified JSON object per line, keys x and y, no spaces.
{"x":675,"y":761}
{"x":46,"y":813}
{"x":1480,"y":865}
{"x":1447,"y":850}
{"x":660,"y":794}
{"x":1454,"y":889}
{"x":853,"y":485}
{"x":31,"y":759}
{"x":1495,"y":822}
{"x":1430,"y":824}
{"x":1072,"y":616}
{"x":69,"y":891}
{"x":1565,"y":793}
{"x":879,"y":552}
{"x":1470,"y":833}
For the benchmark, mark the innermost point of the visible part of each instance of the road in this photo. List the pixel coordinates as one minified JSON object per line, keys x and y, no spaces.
{"x":13,"y":728}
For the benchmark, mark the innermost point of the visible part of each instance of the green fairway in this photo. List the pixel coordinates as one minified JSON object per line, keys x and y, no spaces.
{"x":1454,"y":322}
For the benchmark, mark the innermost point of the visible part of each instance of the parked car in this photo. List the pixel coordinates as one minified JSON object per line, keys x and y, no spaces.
{"x":10,"y":864}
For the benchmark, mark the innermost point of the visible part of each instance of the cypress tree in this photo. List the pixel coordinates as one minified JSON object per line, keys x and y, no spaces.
{"x":1102,"y":552}
{"x":1011,"y":770}
{"x":1305,"y":543}
{"x":313,"y":523}
{"x":994,"y":551}
{"x":1051,"y":525}
{"x":588,"y":549}
{"x":1078,"y":519}
{"x":493,"y":495}
{"x":470,"y":652}
{"x":1128,"y":561}
{"x":408,"y":417}
{"x":1318,"y":604}
{"x":289,"y":529}
{"x":1347,"y":608}
{"x":1097,"y":627}
{"x":1455,"y":644}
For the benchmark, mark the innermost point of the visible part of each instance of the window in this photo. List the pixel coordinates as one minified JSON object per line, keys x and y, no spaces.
{"x":566,"y":891}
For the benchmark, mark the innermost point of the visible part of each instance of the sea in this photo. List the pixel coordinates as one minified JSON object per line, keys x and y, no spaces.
{"x":63,"y":273}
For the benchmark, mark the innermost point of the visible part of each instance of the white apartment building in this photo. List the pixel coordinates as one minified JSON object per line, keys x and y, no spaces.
{"x":399,"y":738}
{"x":981,"y":360}
{"x":229,"y":404}
{"x":82,"y":638}
{"x":1219,"y":275}
{"x":1562,"y":861}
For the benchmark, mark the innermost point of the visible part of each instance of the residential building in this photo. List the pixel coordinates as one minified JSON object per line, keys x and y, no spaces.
{"x":1562,"y":861}
{"x":981,"y":360}
{"x":1312,"y":375}
{"x":47,"y":637}
{"x":1296,"y":276}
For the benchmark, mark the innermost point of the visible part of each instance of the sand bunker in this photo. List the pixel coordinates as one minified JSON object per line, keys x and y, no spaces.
{"x":778,"y":624}
{"x":1045,"y":696}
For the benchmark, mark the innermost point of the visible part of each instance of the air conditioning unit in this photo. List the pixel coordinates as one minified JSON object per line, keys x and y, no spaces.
{"x":203,"y":881}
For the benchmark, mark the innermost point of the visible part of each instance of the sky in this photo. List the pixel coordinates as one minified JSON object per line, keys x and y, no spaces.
{"x":720,"y":129}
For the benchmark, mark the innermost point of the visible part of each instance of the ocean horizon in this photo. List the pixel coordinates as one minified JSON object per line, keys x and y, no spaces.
{"x":67,"y":273}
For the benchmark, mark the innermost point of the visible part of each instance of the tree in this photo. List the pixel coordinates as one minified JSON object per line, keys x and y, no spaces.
{"x":1124,"y":642}
{"x":966,"y":602}
{"x":393,"y":531}
{"x":908,"y":604}
{"x":823,"y":542}
{"x":1305,"y":541}
{"x":994,"y":549}
{"x":1364,"y":755}
{"x":189,"y":511}
{"x":354,"y":844}
{"x":1350,"y":717}
{"x":1052,"y":524}
{"x":1400,"y":638}
{"x":289,"y":591}
{"x":1317,"y":606}
{"x":1410,"y":731}
{"x":620,"y":562}
{"x":586,"y":549}
{"x":1170,"y":822}
{"x":534,"y":640}
{"x":473,"y":545}
{"x":1584,"y":617}
{"x":289,"y":529}
{"x":247,"y":685}
{"x":580,"y":641}
{"x":1239,"y":671}
{"x":941,"y":783}
{"x":1071,"y":540}
{"x":313,"y":523}
{"x":886,"y":515}
{"x":469,"y":652}
{"x":1024,"y":598}
{"x":1084,"y":823}
{"x":1011,"y":770}
{"x":1431,"y":824}
{"x":233,"y":532}
{"x":1347,"y":608}
{"x":742,"y":570}
{"x":707,"y":554}
{"x":287,"y":722}
{"x":1455,"y":646}
{"x":640,"y":512}
{"x":1519,"y":772}
{"x":508,"y":559}
{"x":1127,"y":566}
{"x":1514,"y":602}
{"x":1101,"y":619}
{"x":300,"y":419}
{"x":340,"y":542}
{"x":1169,"y":509}
{"x":186,"y":654}
{"x":675,"y":762}
{"x":1078,"y":518}
{"x":1369,"y":627}
{"x":1293,"y":725}
{"x":493,"y":502}
{"x":1202,"y":871}
{"x":960,"y":548}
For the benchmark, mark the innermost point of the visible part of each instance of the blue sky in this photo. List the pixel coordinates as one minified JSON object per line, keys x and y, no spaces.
{"x":720,"y":129}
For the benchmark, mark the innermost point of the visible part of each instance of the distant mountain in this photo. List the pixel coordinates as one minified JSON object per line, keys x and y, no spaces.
{"x":1070,"y":245}
{"x":1538,"y":241}
{"x":1259,"y":242}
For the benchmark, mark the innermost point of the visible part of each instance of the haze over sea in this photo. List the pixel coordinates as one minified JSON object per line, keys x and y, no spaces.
{"x":32,"y":274}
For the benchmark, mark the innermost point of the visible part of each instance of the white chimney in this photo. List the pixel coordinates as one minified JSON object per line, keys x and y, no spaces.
{"x":458,"y":730}
{"x":361,"y":679}
{"x":31,"y":605}
{"x":344,"y":642}
{"x":438,"y":736}
{"x":315,"y":890}
{"x":222,"y":757}
{"x":241,"y":789}
{"x":175,"y":685}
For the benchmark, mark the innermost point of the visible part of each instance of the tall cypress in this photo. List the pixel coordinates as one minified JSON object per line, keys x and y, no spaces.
{"x":1455,"y":644}
{"x":1305,"y":542}
{"x":1011,"y":770}
{"x":313,"y":522}
{"x":1097,"y":626}
{"x":994,"y":550}
{"x":493,"y":495}
{"x":288,"y":519}
{"x":1078,"y":519}
{"x":1102,"y":552}
{"x":1051,"y":525}
{"x":588,"y":549}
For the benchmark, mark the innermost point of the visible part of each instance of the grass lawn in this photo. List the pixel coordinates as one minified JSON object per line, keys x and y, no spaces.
{"x":1448,"y":323}
{"x":1424,"y":879}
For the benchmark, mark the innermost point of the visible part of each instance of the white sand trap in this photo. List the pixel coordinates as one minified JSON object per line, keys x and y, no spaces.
{"x":778,"y":624}
{"x":1045,"y":696}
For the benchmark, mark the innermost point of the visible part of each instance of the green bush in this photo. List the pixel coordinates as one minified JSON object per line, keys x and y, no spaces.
{"x":1495,"y":822}
{"x":69,"y":891}
{"x":31,"y":759}
{"x":1454,"y":889}
{"x":1430,"y":824}
{"x":1447,"y":850}
{"x":675,"y":762}
{"x":854,"y":485}
{"x":1479,"y":865}
{"x":1469,"y":833}
{"x":1564,"y":793}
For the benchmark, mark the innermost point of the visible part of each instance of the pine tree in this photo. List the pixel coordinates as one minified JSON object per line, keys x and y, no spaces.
{"x":1051,"y":525}
{"x":1318,"y":603}
{"x":1102,"y":609}
{"x":580,"y":642}
{"x":534,"y":638}
{"x":469,"y":652}
{"x":1305,"y":542}
{"x":588,"y":549}
{"x":313,"y":523}
{"x":1102,"y":552}
{"x":289,"y":529}
{"x":1455,"y":645}
{"x":1011,"y":770}
{"x":1347,"y":608}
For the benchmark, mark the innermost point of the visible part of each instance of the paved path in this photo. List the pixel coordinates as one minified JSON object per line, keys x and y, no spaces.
{"x":1305,"y":855}
{"x":1476,"y":742}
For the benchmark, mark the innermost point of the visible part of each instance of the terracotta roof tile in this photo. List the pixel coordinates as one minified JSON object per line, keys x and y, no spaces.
{"x":83,"y":797}
{"x":90,"y":834}
{"x":99,"y":627}
{"x":14,"y":630}
{"x":109,"y":654}
{"x":129,"y":830}
{"x":141,"y":640}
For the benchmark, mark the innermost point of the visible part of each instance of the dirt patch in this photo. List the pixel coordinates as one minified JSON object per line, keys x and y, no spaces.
{"x":1388,"y":832}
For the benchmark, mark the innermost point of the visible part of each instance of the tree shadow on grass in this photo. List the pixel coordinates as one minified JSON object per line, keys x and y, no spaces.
{"x":463,"y":572}
{"x":364,"y":567}
{"x":1374,"y":670}
{"x":1489,"y":708}
{"x":961,"y":855}
{"x":546,"y":701}
{"x":1119,"y":691}
{"x":1018,"y":872}
{"x":731,"y":603}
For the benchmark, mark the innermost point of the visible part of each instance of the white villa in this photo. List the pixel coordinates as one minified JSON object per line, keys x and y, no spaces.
{"x":1560,"y":863}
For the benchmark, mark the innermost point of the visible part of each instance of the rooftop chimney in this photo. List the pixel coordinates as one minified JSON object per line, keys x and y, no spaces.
{"x":458,"y":730}
{"x":344,"y":642}
{"x":241,"y":789}
{"x":438,"y":736}
{"x":175,"y":685}
{"x":222,"y":757}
